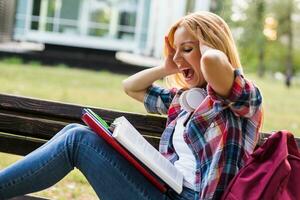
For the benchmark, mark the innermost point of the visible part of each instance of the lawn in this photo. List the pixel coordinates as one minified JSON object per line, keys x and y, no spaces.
{"x":103,"y":89}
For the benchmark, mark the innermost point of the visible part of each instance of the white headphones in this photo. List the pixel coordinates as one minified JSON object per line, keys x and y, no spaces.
{"x":190,"y":99}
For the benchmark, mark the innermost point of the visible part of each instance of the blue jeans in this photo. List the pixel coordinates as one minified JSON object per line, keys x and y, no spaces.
{"x":110,"y":175}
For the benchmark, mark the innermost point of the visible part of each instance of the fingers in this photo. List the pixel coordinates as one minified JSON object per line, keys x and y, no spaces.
{"x":169,"y":47}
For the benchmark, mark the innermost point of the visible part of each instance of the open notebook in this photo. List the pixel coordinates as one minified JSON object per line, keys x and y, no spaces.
{"x":136,"y":149}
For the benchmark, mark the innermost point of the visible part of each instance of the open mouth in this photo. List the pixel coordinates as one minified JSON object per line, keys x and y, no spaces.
{"x":188,"y":73}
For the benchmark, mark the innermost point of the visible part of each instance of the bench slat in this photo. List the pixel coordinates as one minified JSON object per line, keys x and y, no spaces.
{"x":29,"y":126}
{"x":28,"y":198}
{"x":22,"y":145}
{"x":72,"y":112}
{"x":39,"y":127}
{"x":18,"y":145}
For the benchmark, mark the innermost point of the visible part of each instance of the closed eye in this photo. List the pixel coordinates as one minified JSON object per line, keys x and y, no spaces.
{"x":188,"y":50}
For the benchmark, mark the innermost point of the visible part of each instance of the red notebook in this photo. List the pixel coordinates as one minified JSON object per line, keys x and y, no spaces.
{"x":103,"y":131}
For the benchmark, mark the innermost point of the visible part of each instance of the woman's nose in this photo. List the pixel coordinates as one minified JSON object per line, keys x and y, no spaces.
{"x":177,"y":57}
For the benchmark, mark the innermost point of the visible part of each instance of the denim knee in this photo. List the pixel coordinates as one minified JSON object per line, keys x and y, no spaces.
{"x":78,"y":133}
{"x":72,"y":125}
{"x":65,"y":129}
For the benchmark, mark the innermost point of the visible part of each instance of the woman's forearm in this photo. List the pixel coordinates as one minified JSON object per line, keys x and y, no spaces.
{"x":137,"y":84}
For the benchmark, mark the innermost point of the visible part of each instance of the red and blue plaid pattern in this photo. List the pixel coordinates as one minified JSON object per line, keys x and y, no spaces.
{"x":221,"y":132}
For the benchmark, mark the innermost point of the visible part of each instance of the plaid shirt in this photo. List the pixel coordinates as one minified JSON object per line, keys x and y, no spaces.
{"x":219,"y":153}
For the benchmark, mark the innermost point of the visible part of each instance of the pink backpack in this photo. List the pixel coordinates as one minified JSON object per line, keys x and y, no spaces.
{"x":272,"y":172}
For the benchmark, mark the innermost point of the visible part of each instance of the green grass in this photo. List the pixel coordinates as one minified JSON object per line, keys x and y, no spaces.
{"x":73,"y":186}
{"x":103,"y":89}
{"x":281,"y":105}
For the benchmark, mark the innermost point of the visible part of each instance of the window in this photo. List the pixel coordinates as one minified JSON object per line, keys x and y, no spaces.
{"x":95,"y":18}
{"x":127,"y":25}
{"x":35,"y":14}
{"x":112,"y":18}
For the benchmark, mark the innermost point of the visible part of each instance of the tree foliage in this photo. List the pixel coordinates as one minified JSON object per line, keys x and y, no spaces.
{"x":265,"y":31}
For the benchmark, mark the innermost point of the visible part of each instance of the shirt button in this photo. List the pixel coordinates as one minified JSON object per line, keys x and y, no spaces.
{"x":212,"y":125}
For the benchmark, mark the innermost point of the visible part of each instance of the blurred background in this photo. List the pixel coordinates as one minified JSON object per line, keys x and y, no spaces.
{"x":79,"y":51}
{"x":266,"y":31}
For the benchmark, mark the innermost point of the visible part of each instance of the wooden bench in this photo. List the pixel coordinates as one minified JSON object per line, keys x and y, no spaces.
{"x":27,"y":123}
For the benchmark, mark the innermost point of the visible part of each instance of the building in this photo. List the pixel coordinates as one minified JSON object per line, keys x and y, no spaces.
{"x":7,"y":8}
{"x":136,"y":26}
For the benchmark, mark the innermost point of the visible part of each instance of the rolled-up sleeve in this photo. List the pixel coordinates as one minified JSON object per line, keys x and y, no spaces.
{"x":158,"y":100}
{"x":244,"y":98}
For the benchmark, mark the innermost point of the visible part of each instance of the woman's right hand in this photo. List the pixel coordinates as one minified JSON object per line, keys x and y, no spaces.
{"x":169,"y":64}
{"x":137,"y":84}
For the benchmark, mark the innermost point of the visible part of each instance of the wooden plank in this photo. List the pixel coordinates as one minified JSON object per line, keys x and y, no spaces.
{"x":39,"y":127}
{"x":72,"y":112}
{"x":27,"y":197}
{"x":29,"y":126}
{"x":18,"y":145}
{"x":154,"y":141}
{"x":22,"y":145}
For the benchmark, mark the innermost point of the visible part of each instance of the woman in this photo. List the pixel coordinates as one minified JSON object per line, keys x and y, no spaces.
{"x":214,"y":115}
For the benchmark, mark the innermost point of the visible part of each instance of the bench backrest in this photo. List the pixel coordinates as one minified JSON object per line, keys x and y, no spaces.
{"x":26,"y":123}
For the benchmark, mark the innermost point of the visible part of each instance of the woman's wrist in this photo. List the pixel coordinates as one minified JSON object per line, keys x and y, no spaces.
{"x":163,"y":71}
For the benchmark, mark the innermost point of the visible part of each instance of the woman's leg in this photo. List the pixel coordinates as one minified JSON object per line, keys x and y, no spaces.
{"x":28,"y":174}
{"x":111,"y":176}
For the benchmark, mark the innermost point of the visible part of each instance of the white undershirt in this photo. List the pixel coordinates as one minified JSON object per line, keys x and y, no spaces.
{"x":186,"y":163}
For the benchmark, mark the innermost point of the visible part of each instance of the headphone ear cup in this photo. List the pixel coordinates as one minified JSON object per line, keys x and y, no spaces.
{"x":183,"y":102}
{"x":194,"y":97}
{"x":191,"y":99}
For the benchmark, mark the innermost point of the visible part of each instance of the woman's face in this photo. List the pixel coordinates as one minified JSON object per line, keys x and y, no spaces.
{"x":187,"y":57}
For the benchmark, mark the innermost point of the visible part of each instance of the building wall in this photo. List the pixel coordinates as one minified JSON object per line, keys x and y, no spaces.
{"x":6,"y":19}
{"x":163,"y":15}
{"x":82,"y":23}
{"x":74,"y":23}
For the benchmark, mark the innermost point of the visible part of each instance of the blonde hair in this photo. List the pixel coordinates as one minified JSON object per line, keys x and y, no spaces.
{"x":215,"y":33}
